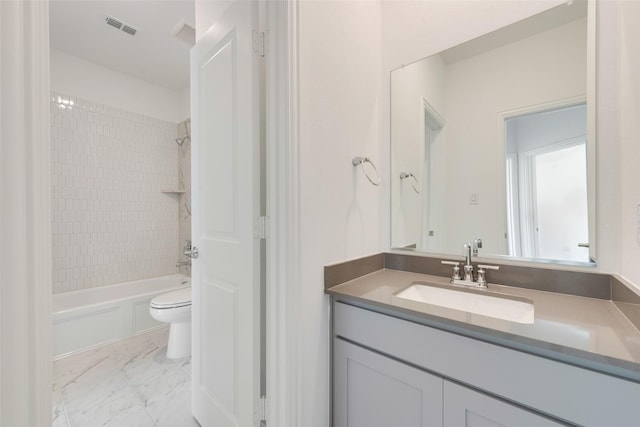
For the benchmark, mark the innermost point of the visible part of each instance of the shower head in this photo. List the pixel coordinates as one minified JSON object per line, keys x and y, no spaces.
{"x":187,"y":138}
{"x":182,"y":140}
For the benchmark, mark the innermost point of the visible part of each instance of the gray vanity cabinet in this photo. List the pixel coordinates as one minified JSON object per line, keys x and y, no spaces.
{"x":392,"y":372}
{"x":371,"y":390}
{"x":464,"y":407}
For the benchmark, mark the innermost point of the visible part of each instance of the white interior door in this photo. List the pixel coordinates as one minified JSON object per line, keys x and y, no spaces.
{"x":225,"y":176}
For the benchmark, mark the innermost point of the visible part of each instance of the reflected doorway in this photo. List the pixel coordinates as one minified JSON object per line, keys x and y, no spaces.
{"x":546,"y":163}
{"x":433,"y":124}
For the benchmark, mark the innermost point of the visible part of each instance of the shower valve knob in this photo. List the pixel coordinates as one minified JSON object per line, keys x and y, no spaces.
{"x":192,"y":252}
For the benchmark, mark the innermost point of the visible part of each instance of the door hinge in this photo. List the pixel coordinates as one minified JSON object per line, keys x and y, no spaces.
{"x":258,"y":42}
{"x":261,"y":412}
{"x":261,"y":228}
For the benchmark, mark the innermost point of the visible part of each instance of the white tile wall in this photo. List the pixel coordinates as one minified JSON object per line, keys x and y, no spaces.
{"x":111,"y":222}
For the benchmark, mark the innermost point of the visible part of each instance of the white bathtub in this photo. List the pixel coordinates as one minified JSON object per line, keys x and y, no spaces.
{"x":97,"y":316}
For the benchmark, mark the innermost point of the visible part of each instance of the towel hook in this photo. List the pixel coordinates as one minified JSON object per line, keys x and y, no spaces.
{"x":414,"y":181}
{"x":361,"y":161}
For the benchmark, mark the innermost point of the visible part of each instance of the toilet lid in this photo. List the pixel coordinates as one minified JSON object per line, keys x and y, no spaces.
{"x":173,"y":299}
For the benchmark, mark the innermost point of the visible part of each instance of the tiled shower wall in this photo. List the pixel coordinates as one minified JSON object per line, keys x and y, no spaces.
{"x":111,"y":221}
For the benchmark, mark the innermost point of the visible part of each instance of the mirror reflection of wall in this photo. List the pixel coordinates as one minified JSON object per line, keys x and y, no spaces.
{"x":471,"y":89}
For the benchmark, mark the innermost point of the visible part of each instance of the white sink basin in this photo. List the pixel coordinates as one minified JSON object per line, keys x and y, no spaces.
{"x":420,"y":295}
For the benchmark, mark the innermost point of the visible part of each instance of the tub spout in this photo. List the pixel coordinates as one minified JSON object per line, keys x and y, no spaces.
{"x":181,"y":263}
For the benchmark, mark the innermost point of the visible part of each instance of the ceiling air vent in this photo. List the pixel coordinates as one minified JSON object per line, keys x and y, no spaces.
{"x":115,"y":23}
{"x":129,"y":30}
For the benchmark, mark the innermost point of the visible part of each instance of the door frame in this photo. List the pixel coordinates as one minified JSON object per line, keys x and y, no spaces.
{"x":283,"y":246}
{"x":432,"y":149}
{"x":25,"y":193}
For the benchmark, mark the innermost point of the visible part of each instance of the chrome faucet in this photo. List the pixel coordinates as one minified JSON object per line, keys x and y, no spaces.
{"x":468,"y":268}
{"x":468,"y":280}
{"x":191,"y":252}
{"x":477,"y":244}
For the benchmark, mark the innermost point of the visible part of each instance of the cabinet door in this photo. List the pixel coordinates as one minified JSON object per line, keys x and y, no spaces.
{"x":470,"y":408}
{"x":371,"y":390}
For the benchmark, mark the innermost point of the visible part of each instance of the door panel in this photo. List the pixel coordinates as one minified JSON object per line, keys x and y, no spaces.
{"x":218,"y":322}
{"x":221,"y":181}
{"x":464,"y":407}
{"x":371,"y":390}
{"x":225,"y":187}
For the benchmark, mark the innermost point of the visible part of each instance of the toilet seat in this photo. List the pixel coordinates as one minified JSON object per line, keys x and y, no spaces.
{"x":174,"y":299}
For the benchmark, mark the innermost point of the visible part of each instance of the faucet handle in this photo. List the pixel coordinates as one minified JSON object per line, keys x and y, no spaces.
{"x":456,"y":269}
{"x":482,"y":279}
{"x":189,"y":250}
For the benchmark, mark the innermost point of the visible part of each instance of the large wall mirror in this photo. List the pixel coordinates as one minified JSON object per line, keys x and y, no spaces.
{"x":494,"y":141}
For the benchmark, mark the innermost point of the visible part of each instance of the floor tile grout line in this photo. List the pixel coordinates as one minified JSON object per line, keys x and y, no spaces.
{"x":138,"y":396}
{"x":182,"y":367}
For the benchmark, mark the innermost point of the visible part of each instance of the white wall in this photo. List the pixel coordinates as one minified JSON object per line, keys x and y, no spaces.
{"x":414,"y":29}
{"x":77,"y":77}
{"x":546,"y":67}
{"x":339,"y":72}
{"x":423,"y":80}
{"x":629,"y":49}
{"x":207,"y":11}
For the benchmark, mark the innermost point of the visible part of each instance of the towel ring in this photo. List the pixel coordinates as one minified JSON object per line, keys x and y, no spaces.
{"x":414,"y":181}
{"x":361,"y":161}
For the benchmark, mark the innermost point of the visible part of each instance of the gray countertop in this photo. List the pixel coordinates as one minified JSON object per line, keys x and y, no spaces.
{"x":586,"y":332}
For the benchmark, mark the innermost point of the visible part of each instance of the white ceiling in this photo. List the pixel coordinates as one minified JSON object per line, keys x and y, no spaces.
{"x":78,"y":27}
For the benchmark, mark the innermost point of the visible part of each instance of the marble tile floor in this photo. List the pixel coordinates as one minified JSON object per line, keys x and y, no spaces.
{"x":127,"y":383}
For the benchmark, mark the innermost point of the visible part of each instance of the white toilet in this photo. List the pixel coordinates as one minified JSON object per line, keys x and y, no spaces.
{"x":175,"y":308}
